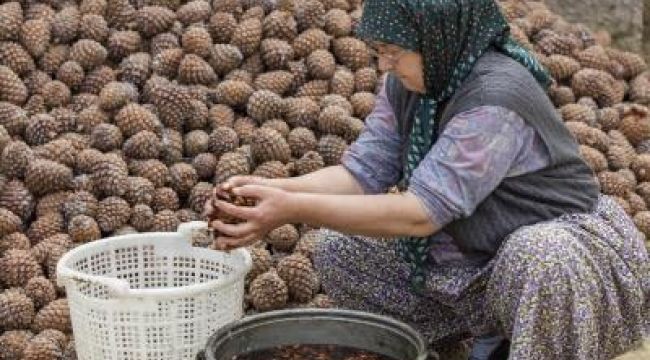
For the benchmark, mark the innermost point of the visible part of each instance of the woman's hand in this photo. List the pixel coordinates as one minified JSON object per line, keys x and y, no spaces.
{"x":273,"y":209}
{"x":225,"y":187}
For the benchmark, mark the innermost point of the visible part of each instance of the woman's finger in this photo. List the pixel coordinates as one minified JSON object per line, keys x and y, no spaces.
{"x":233,"y":230}
{"x":219,"y":192}
{"x":242,"y":212}
{"x":253,"y":191}
{"x":208,"y":209}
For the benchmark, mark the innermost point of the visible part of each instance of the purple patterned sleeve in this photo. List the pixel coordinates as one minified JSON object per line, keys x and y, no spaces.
{"x":475,"y":152}
{"x":374,"y":158}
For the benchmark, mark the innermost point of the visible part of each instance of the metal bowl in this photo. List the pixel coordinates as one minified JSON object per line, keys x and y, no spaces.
{"x":345,"y":328}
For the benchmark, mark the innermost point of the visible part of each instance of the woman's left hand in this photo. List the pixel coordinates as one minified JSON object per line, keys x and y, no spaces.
{"x":273,"y":209}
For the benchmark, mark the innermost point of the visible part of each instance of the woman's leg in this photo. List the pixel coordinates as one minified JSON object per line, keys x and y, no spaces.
{"x":368,"y":275}
{"x":571,"y":289}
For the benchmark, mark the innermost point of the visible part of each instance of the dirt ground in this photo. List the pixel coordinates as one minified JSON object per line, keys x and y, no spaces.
{"x":643,"y":353}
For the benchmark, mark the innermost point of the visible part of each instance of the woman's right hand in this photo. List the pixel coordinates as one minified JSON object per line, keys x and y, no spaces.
{"x":222,"y":190}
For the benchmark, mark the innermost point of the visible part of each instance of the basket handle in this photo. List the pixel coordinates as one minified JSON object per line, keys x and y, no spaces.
{"x":186,"y":230}
{"x":116,"y":287}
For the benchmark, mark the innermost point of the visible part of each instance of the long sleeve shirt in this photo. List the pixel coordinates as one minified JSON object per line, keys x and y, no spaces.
{"x":475,"y":152}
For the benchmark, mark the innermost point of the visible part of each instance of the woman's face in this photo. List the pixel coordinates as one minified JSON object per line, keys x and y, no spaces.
{"x":405,"y":64}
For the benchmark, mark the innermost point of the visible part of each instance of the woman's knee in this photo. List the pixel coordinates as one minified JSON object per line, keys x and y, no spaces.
{"x":543,"y":245}
{"x":328,"y":249}
{"x":540,"y":256}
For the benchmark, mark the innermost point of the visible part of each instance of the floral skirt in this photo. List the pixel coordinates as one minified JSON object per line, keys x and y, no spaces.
{"x":577,"y":287}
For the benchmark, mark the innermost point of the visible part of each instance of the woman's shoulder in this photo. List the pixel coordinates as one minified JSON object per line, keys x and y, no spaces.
{"x":499,"y":80}
{"x":495,"y":71}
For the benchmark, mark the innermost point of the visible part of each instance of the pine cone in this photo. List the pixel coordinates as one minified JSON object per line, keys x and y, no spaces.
{"x":301,"y":112}
{"x":15,"y":57}
{"x":269,"y":145}
{"x":197,"y":40}
{"x":331,"y":148}
{"x":94,"y":27}
{"x":599,"y":85}
{"x":363,"y":103}
{"x":124,"y":43}
{"x":309,"y":162}
{"x":271,"y":170}
{"x":247,"y":36}
{"x":283,"y":238}
{"x":41,"y":291}
{"x":16,"y":310}
{"x":153,"y":20}
{"x":311,"y":40}
{"x":13,"y":343}
{"x":278,"y":81}
{"x":13,"y":118}
{"x":265,"y":105}
{"x":142,"y":217}
{"x":135,"y":69}
{"x":269,"y":292}
{"x":112,"y":213}
{"x":12,"y":88}
{"x":183,"y":177}
{"x":225,"y":58}
{"x":336,"y":100}
{"x":83,"y":229}
{"x":205,"y":165}
{"x":11,"y":17}
{"x":194,"y":70}
{"x":338,"y":23}
{"x":15,"y":197}
{"x":280,"y":25}
{"x":55,"y":315}
{"x":196,"y":11}
{"x":143,"y":145}
{"x":222,"y":25}
{"x":165,"y":221}
{"x":45,"y":176}
{"x":352,"y":52}
{"x":301,"y":279}
{"x":231,"y":164}
{"x":35,"y":36}
{"x":165,"y":198}
{"x":133,"y":118}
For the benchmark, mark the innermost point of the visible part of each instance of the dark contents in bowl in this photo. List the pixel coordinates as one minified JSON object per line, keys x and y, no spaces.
{"x":311,"y":352}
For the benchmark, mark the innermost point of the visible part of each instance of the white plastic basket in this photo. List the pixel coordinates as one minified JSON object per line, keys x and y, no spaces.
{"x":150,"y":296}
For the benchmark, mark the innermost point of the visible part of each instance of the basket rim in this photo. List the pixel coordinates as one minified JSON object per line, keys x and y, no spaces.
{"x":121,"y":288}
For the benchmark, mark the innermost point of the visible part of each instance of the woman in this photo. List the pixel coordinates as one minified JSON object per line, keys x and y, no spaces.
{"x":499,"y":232}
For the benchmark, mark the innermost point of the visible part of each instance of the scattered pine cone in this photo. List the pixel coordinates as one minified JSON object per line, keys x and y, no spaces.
{"x":269,"y":292}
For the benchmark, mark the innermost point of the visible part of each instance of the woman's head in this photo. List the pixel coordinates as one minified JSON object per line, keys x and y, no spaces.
{"x":431,"y":45}
{"x":406,"y":65}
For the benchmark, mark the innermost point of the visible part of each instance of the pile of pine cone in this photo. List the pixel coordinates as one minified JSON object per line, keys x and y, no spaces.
{"x":602,"y":94}
{"x":118,"y":116}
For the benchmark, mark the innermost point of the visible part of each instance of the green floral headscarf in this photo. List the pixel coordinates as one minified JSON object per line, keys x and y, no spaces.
{"x":451,"y":35}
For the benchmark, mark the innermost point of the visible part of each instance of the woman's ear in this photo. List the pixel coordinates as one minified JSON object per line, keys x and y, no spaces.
{"x":410,"y":70}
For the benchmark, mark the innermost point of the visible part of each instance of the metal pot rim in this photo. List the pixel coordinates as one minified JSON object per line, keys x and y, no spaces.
{"x":235,"y":328}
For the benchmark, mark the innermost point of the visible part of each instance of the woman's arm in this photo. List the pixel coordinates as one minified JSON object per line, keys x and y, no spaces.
{"x":330,"y":180}
{"x":472,"y":156}
{"x":388,"y":215}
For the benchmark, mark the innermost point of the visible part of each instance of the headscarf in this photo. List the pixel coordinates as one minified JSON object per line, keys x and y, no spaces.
{"x":451,"y":35}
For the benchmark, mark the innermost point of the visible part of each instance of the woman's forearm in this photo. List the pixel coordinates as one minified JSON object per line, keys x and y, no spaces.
{"x":329,"y":180}
{"x":386,"y":215}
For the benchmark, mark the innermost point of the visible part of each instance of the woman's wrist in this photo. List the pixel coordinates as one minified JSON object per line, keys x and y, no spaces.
{"x":295,"y":207}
